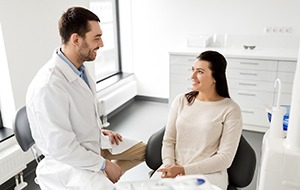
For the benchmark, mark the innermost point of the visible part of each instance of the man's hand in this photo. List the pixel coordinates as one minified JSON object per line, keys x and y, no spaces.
{"x":171,"y":171}
{"x":114,"y":137}
{"x":113,"y":171}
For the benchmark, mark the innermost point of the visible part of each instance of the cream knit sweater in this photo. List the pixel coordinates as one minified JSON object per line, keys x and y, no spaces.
{"x":202,"y":137}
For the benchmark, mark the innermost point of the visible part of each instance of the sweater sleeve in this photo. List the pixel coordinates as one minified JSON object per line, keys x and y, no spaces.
{"x":169,"y":140}
{"x":229,"y":141}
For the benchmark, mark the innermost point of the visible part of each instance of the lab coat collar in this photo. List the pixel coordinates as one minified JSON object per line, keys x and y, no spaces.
{"x":71,"y":76}
{"x":66,"y":70}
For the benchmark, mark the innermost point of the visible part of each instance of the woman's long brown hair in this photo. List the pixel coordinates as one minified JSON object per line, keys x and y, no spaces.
{"x":217,"y":65}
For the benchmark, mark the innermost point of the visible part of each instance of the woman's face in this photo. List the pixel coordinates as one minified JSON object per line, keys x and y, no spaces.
{"x":202,"y":79}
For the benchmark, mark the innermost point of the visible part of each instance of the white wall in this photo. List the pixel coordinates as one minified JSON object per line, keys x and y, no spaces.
{"x":149,"y":30}
{"x":30,"y":31}
{"x":160,"y":25}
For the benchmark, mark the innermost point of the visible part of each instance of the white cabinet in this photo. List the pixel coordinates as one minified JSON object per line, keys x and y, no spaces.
{"x":180,"y":74}
{"x":286,"y":72}
{"x":251,"y":85}
{"x":250,"y":82}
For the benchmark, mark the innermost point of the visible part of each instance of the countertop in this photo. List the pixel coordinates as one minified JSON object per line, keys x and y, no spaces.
{"x":234,"y":52}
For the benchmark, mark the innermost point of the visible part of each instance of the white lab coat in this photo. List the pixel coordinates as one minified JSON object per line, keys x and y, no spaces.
{"x":62,"y":112}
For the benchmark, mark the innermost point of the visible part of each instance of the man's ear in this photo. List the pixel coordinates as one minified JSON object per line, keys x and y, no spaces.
{"x":75,"y":39}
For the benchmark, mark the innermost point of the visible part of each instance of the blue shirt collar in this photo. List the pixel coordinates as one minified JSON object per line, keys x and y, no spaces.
{"x":79,"y":71}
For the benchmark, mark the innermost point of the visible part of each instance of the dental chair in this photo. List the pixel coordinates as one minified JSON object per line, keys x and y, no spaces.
{"x":240,"y":173}
{"x":23,"y":135}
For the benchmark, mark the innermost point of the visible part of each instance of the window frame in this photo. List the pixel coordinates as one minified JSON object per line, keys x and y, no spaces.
{"x":1,"y":121}
{"x":5,"y":133}
{"x":116,"y":25}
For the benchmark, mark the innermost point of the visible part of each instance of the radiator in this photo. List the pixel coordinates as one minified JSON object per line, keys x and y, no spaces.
{"x":12,"y":159}
{"x":115,"y":96}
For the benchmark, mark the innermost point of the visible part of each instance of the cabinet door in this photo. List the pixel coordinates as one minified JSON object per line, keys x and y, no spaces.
{"x":181,"y":69}
{"x":286,"y":73}
{"x":182,"y":60}
{"x":252,"y":98}
{"x":181,"y":79}
{"x":256,"y":75}
{"x":180,"y":74}
{"x":285,"y":88}
{"x":253,"y":104}
{"x":287,"y":66}
{"x":286,"y":76}
{"x":251,"y":85}
{"x":255,"y":116}
{"x":176,"y":89}
{"x":253,"y":64}
{"x":285,"y":99}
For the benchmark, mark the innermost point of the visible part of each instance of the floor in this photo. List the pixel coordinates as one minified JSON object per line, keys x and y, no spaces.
{"x":139,"y":120}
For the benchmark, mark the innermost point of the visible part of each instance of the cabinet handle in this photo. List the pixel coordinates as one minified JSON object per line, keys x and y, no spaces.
{"x":251,"y":74}
{"x":246,"y":94}
{"x":247,"y":84}
{"x":188,"y":69}
{"x":190,"y":59}
{"x":246,"y":111}
{"x":249,"y":63}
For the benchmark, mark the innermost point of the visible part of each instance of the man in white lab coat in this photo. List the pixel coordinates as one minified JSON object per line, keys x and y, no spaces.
{"x":62,"y":111}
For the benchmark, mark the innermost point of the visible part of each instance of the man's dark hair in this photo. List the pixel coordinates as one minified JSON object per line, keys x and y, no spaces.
{"x":75,"y":20}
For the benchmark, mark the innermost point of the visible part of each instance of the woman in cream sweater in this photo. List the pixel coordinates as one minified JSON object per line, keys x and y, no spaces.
{"x":204,"y":125}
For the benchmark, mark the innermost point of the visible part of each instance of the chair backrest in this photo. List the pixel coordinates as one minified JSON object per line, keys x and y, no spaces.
{"x":242,"y":169}
{"x":153,"y":150}
{"x":240,"y":172}
{"x":22,"y":130}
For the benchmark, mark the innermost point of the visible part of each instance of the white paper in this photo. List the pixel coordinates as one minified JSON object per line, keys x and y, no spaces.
{"x":123,"y":145}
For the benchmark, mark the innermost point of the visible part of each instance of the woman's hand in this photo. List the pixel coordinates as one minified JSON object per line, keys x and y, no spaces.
{"x":114,"y":137}
{"x":171,"y":171}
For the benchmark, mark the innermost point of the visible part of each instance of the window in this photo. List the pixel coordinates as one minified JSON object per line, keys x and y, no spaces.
{"x":107,"y":62}
{"x":6,"y":98}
